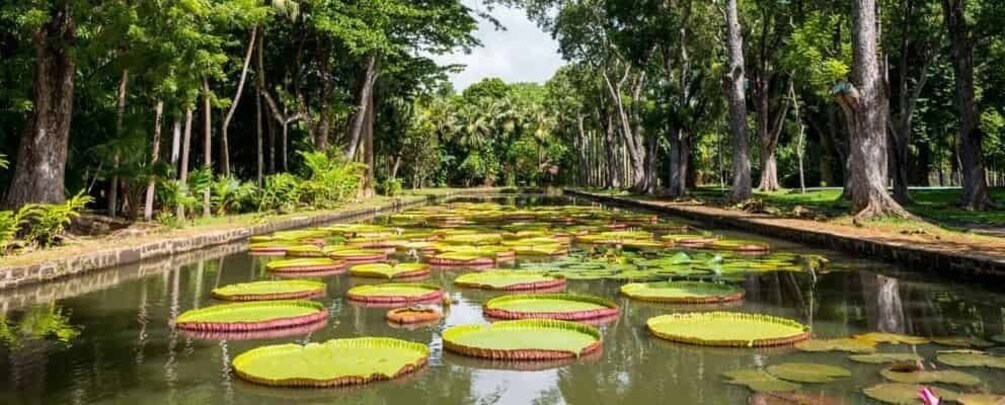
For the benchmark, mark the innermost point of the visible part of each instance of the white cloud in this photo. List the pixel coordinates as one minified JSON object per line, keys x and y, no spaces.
{"x":521,"y":53}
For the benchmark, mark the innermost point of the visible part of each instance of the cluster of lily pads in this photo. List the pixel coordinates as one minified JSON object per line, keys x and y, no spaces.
{"x":531,"y":255}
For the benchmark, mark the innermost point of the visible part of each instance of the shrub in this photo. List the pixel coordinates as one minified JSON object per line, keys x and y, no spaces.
{"x":230,"y":195}
{"x":281,"y":193}
{"x":331,"y":179}
{"x":389,"y":187}
{"x":45,"y":222}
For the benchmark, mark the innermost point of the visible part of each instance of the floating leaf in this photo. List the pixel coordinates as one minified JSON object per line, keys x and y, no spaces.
{"x":808,"y":372}
{"x":529,"y":339}
{"x":897,"y":393}
{"x":910,"y":373}
{"x":734,"y":329}
{"x":981,"y":399}
{"x":963,"y":341}
{"x":509,"y":280}
{"x":256,"y":315}
{"x":568,"y":307}
{"x":851,"y":345}
{"x":892,"y":338}
{"x":332,"y":363}
{"x":387,"y":271}
{"x":759,"y":381}
{"x":269,"y":290}
{"x":970,"y":358}
{"x":878,"y":358}
{"x":682,"y":292}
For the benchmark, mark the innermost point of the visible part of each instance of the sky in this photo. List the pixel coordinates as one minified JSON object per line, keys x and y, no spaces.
{"x":521,"y":53}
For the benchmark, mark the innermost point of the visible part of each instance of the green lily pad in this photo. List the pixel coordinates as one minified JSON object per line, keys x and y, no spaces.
{"x":899,"y":393}
{"x":269,"y":290}
{"x":851,"y":345}
{"x":733,"y":329}
{"x":552,"y":306}
{"x":759,"y":381}
{"x":963,"y":341}
{"x":508,"y":280}
{"x":682,"y":292}
{"x":970,"y":358}
{"x":808,"y":372}
{"x":255,"y":315}
{"x":892,"y":338}
{"x":909,"y":373}
{"x":981,"y":399}
{"x":530,"y":339}
{"x":387,"y":271}
{"x":332,"y":363}
{"x":879,"y":358}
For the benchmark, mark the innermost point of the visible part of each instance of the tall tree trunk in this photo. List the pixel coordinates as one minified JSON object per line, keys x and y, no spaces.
{"x":367,"y":157}
{"x":582,"y":150}
{"x":800,"y":136}
{"x":41,"y":157}
{"x":207,"y":147}
{"x":260,"y":85}
{"x":359,"y":117}
{"x":975,"y":186}
{"x":863,"y":102}
{"x":610,"y":148}
{"x":224,"y":139}
{"x":185,"y":150}
{"x":148,"y":203}
{"x":735,"y":82}
{"x":120,"y":112}
{"x":175,"y":143}
{"x":680,"y":149}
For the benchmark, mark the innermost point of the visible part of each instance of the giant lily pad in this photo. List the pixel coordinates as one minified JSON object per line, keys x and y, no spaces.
{"x":892,"y":338}
{"x":808,"y":372}
{"x":733,"y":329}
{"x":305,"y":265}
{"x":682,"y":292}
{"x":474,"y":239}
{"x":357,"y":256}
{"x":509,"y":280}
{"x":270,"y":290}
{"x":394,"y":293}
{"x":462,"y":259}
{"x":970,"y":358}
{"x":332,"y":363}
{"x":981,"y":399}
{"x":910,"y":373}
{"x":851,"y":345}
{"x":962,"y":341}
{"x":247,"y":316}
{"x":899,"y":393}
{"x":529,"y":339}
{"x":878,"y":358}
{"x":387,"y":271}
{"x":759,"y":381}
{"x":550,"y":306}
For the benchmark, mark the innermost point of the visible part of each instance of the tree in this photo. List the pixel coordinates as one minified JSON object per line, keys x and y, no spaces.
{"x":864,"y":104}
{"x":975,"y":185}
{"x":734,"y":81}
{"x":42,"y":152}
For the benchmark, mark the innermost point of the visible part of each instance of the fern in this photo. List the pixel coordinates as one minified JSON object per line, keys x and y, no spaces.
{"x":45,"y":222}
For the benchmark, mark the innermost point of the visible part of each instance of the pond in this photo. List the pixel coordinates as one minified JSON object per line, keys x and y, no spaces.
{"x":107,"y":337}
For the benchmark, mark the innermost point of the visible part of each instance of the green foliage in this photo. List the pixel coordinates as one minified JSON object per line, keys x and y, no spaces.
{"x":44,"y":223}
{"x":389,"y":187}
{"x":330,"y":181}
{"x":281,"y":193}
{"x":230,"y":195}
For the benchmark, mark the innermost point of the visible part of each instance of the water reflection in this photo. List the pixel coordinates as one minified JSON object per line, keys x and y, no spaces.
{"x":107,"y":338}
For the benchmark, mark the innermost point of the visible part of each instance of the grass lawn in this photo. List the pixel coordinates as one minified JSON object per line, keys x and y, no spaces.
{"x":934,"y":205}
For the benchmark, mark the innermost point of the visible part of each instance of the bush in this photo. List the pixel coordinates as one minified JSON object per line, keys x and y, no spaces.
{"x":229,"y":195}
{"x":389,"y":187}
{"x":45,"y":222}
{"x":281,"y":193}
{"x":331,"y":180}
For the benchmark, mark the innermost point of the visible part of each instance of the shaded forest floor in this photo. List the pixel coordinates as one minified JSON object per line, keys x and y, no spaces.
{"x":939,"y":225}
{"x":140,"y":233}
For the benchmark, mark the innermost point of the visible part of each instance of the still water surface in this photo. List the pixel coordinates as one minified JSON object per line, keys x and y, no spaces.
{"x":120,"y":347}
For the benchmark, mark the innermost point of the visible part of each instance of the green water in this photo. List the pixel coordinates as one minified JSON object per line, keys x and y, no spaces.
{"x":117,"y":345}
